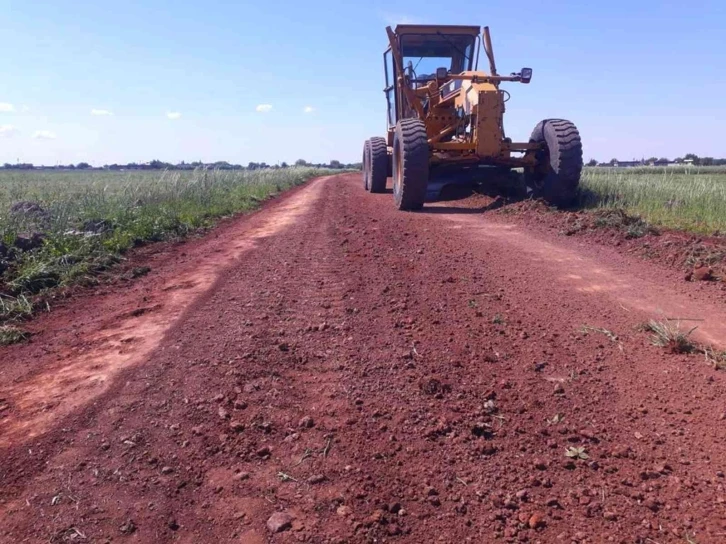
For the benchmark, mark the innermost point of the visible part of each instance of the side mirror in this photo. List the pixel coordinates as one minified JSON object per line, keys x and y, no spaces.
{"x":526,"y":75}
{"x":441,"y":73}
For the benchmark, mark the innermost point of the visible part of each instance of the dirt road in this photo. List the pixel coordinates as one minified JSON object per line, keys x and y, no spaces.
{"x":330,"y":370}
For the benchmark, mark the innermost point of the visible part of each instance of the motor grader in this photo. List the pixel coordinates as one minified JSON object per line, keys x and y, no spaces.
{"x":445,"y":123}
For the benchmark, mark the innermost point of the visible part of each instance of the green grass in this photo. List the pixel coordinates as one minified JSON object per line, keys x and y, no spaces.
{"x":134,"y":208}
{"x":10,"y":334}
{"x":685,"y":198}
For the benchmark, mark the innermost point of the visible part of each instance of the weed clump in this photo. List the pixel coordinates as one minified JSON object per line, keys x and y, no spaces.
{"x":669,"y":335}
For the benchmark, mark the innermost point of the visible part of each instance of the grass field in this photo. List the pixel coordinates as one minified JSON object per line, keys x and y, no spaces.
{"x":89,"y":219}
{"x":689,"y":198}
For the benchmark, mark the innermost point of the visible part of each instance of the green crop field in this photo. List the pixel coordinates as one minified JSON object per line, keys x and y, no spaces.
{"x":88,"y":219}
{"x":687,"y":198}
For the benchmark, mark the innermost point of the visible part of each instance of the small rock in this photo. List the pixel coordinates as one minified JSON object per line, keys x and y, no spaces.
{"x":172,"y":524}
{"x":240,"y":476}
{"x":198,"y":430}
{"x":223,"y":414}
{"x":128,"y":527}
{"x":279,"y":522}
{"x":536,"y":521}
{"x":249,"y":388}
{"x":378,"y":516}
{"x":559,"y":389}
{"x":610,"y":516}
{"x":316,"y":479}
{"x":702,"y":273}
{"x":539,"y":464}
{"x":522,"y":495}
{"x":306,"y":423}
{"x":236,"y":426}
{"x":553,"y":502}
{"x":264,"y":451}
{"x":167,"y":470}
{"x":344,"y":510}
{"x":239,"y":404}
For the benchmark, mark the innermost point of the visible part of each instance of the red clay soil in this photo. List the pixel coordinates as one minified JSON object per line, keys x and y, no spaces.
{"x":330,"y":370}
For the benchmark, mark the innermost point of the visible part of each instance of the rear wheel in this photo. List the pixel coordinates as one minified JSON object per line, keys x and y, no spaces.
{"x":559,"y":162}
{"x":366,"y":163}
{"x":377,"y":172}
{"x":410,"y":164}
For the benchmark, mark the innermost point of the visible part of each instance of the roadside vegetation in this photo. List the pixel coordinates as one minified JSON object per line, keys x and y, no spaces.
{"x":686,"y":198}
{"x":62,"y":228}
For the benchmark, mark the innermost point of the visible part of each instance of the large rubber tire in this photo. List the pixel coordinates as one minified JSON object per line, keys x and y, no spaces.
{"x":410,"y":164}
{"x":377,"y":172}
{"x":366,"y":164}
{"x":557,"y":175}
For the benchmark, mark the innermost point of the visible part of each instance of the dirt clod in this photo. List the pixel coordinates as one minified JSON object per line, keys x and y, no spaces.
{"x":279,"y":522}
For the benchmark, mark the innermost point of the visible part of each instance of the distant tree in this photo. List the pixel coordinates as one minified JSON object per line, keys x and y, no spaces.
{"x":83,"y":165}
{"x":706,"y":161}
{"x":691,"y":156}
{"x":592,"y":162}
{"x":335,"y":164}
{"x":283,"y":164}
{"x":301,"y":162}
{"x":663,"y":159}
{"x":652,"y":160}
{"x":252,"y":166}
{"x":612,"y":162}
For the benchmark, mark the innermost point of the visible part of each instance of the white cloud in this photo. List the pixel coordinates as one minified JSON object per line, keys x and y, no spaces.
{"x":44,"y":135}
{"x":24,"y":108}
{"x":264,"y":108}
{"x":308,"y":109}
{"x":101,"y":112}
{"x":6,"y":108}
{"x":173,"y":115}
{"x":8,"y":130}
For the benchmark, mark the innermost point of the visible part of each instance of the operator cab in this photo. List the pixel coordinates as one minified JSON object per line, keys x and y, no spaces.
{"x":429,"y":52}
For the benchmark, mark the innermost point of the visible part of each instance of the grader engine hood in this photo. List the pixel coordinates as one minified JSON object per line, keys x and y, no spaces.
{"x":484,"y":105}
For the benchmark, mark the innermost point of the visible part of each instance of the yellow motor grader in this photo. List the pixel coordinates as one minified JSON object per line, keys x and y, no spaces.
{"x":445,"y":122}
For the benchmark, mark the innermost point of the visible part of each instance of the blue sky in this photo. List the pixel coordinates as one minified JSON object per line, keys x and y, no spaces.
{"x":185,"y":80}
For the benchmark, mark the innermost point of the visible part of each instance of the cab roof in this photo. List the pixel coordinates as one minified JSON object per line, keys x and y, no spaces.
{"x":433,"y":29}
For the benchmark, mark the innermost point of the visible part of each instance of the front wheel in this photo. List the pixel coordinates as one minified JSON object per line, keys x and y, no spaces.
{"x":559,"y":162}
{"x":410,"y":164}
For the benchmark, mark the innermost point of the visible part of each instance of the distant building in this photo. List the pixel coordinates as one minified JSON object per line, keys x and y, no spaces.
{"x":627,"y":164}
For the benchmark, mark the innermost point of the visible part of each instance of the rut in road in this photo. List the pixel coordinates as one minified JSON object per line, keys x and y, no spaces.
{"x":380,"y":375}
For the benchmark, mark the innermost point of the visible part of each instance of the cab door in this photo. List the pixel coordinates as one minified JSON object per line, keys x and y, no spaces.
{"x":390,"y":89}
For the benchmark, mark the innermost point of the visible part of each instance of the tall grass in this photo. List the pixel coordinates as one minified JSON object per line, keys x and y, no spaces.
{"x":691,"y":198}
{"x":123,"y":209}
